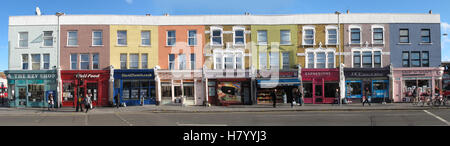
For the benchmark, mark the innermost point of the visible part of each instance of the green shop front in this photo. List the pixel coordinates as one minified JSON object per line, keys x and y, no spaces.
{"x":30,"y":88}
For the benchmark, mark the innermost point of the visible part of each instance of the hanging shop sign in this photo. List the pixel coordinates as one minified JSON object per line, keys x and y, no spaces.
{"x":84,"y":76}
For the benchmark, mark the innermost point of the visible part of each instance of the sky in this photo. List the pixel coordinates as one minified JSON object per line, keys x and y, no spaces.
{"x":202,"y":7}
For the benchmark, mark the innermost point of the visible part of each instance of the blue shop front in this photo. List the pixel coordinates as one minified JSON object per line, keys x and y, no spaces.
{"x":31,"y":88}
{"x":135,"y":87}
{"x":376,"y":80}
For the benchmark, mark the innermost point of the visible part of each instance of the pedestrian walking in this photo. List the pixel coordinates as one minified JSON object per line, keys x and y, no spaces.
{"x":293,"y":97}
{"x":366,"y":96}
{"x":274,"y":98}
{"x":50,"y":101}
{"x":87,"y":103}
{"x":299,"y":97}
{"x":337,"y":97}
{"x":117,"y":100}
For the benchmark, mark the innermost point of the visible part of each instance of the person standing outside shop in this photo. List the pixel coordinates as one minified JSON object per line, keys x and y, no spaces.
{"x":87,"y":103}
{"x":366,"y":96}
{"x":117,"y":99}
{"x":299,"y":97}
{"x":293,"y":97}
{"x":274,"y":98}
{"x":79,"y":102}
{"x":336,"y":96}
{"x":50,"y":101}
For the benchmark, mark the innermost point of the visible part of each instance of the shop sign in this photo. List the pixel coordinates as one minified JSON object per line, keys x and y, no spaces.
{"x":281,"y":74}
{"x":137,"y":75}
{"x":366,"y":73}
{"x":31,"y":76}
{"x":83,"y":76}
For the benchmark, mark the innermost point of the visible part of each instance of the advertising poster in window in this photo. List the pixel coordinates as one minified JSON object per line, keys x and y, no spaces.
{"x":229,"y":92}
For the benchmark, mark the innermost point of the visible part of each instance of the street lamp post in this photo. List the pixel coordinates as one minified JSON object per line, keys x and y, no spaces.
{"x":58,"y":14}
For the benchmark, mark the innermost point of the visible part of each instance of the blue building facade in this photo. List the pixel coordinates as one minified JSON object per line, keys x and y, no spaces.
{"x":135,"y":87}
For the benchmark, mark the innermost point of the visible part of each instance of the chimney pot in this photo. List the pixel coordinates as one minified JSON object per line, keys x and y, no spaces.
{"x":430,"y":12}
{"x":348,"y":11}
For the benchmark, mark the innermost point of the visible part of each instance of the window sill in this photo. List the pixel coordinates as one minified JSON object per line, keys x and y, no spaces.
{"x":72,"y":46}
{"x":170,"y":45}
{"x":262,"y":44}
{"x":285,"y":44}
{"x":22,"y":47}
{"x":217,"y":45}
{"x":121,"y":45}
{"x":97,"y":45}
{"x":403,"y":43}
{"x":331,"y":44}
{"x":47,"y":47}
{"x":425,"y":43}
{"x":145,"y":45}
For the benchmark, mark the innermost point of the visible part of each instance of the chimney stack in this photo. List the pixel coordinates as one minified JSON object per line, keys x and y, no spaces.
{"x":348,"y":11}
{"x":166,"y":14}
{"x":430,"y":12}
{"x":148,"y":14}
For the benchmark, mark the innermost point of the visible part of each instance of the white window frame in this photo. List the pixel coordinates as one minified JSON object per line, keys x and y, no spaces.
{"x":308,"y":27}
{"x":18,"y":42}
{"x":149,"y":38}
{"x":321,"y":50}
{"x":43,"y":61}
{"x":282,"y":59}
{"x":221,"y":54}
{"x":131,"y":61}
{"x":373,"y":50}
{"x":125,"y":38}
{"x":167,"y":38}
{"x":238,"y":28}
{"x":47,"y":37}
{"x":290,"y":37}
{"x":144,"y":62}
{"x":327,"y":35}
{"x":218,"y":55}
{"x":259,"y":60}
{"x":126,"y":60}
{"x":69,"y":38}
{"x":93,"y":37}
{"x":98,"y":62}
{"x":40,"y":61}
{"x":180,"y":62}
{"x":373,"y":31}
{"x":258,"y":38}
{"x":173,"y":62}
{"x":195,"y":37}
{"x":89,"y":60}
{"x":76,"y":68}
{"x":350,"y":34}
{"x":212,"y":29}
{"x":28,"y":62}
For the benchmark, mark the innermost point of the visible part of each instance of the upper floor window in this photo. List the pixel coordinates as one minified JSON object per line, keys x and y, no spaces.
{"x":262,"y":37}
{"x":367,"y":59}
{"x":332,"y":36}
{"x":425,"y":59}
{"x":95,"y":61}
{"x":72,"y":39}
{"x":144,"y":61}
{"x":217,"y":37}
{"x":192,"y":61}
{"x":286,"y":60}
{"x":145,"y":38}
{"x":192,"y":37}
{"x":218,"y":59}
{"x":73,"y":61}
{"x":239,"y":38}
{"x":23,"y":39}
{"x":285,"y":37}
{"x":229,"y":61}
{"x":171,"y":38}
{"x":171,"y":61}
{"x":122,"y":37}
{"x":377,"y":58}
{"x":48,"y":38}
{"x":239,"y":61}
{"x":378,"y":35}
{"x":97,"y":38}
{"x":84,"y":61}
{"x":356,"y":59}
{"x":134,"y":61}
{"x":309,"y":37}
{"x":123,"y":61}
{"x":25,"y":61}
{"x":415,"y":59}
{"x":35,"y":61}
{"x":405,"y":59}
{"x":425,"y":35}
{"x":46,"y":61}
{"x":404,"y":36}
{"x":310,"y":60}
{"x":182,"y":61}
{"x":330,"y":58}
{"x":320,"y":60}
{"x":274,"y":60}
{"x":262,"y":60}
{"x":355,"y":35}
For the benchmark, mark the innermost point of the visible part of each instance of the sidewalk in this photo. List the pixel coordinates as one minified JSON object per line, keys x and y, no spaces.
{"x":231,"y":108}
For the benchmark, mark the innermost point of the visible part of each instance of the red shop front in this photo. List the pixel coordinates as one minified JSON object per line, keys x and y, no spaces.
{"x":84,"y":82}
{"x":320,"y":85}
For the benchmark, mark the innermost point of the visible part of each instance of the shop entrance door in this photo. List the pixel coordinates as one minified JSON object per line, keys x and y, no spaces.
{"x":318,"y":91}
{"x":21,"y":97}
{"x":92,"y":88}
{"x":367,"y":85}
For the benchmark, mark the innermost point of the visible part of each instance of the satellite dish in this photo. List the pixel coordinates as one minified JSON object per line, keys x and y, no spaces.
{"x":38,"y":11}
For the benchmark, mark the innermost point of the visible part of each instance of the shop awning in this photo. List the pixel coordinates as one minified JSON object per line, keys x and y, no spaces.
{"x":266,"y":83}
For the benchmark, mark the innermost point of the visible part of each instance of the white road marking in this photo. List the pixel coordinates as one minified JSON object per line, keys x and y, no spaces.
{"x":178,"y":124}
{"x":123,"y":119}
{"x":437,"y":117}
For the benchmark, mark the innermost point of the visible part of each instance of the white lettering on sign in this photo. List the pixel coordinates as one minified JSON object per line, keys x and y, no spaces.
{"x":31,"y":76}
{"x":87,"y":76}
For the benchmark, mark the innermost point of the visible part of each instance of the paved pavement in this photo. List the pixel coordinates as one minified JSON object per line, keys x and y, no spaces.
{"x":256,"y":115}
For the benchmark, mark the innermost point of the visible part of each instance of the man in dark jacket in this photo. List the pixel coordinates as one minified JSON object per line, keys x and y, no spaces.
{"x":274,"y":98}
{"x":366,"y":96}
{"x":337,"y":96}
{"x":117,"y":99}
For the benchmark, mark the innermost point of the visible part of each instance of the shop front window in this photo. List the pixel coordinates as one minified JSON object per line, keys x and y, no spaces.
{"x":68,"y":92}
{"x":188,"y":89}
{"x":307,"y":90}
{"x":354,"y":89}
{"x":92,"y":88}
{"x":330,"y":89}
{"x":166,"y":90}
{"x":126,"y":90}
{"x":37,"y":93}
{"x":178,"y":91}
{"x":229,"y":91}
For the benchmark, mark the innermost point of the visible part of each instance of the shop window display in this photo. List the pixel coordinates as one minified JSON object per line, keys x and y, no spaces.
{"x":307,"y":90}
{"x":68,"y":93}
{"x":37,"y":93}
{"x":330,"y":89}
{"x":188,"y":89}
{"x":166,"y":90}
{"x":354,"y":89}
{"x":229,"y":92}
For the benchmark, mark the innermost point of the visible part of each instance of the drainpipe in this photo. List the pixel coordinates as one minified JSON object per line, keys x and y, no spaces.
{"x":341,"y":83}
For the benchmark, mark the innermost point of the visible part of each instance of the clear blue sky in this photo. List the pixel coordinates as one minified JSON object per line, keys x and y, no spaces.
{"x":193,"y":7}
